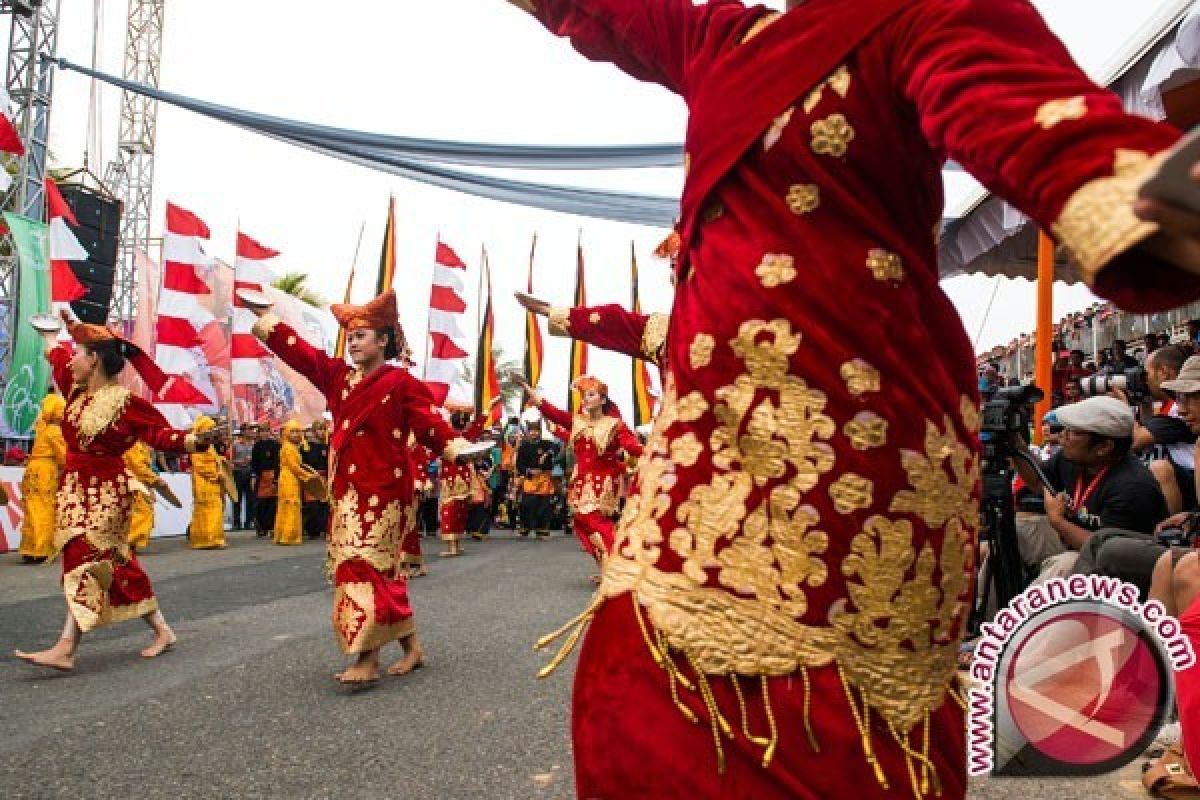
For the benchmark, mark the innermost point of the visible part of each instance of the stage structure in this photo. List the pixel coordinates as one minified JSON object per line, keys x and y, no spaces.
{"x":131,"y":176}
{"x":29,"y":79}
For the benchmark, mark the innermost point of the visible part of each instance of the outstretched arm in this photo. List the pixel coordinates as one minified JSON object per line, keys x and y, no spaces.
{"x":322,"y":370}
{"x":611,"y":327}
{"x":629,"y":441}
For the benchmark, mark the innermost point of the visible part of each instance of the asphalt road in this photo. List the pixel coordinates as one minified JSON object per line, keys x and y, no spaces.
{"x":246,"y":706}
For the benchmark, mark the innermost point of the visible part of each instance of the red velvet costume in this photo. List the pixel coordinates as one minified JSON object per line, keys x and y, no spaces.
{"x":612,"y":327}
{"x":422,"y":457}
{"x":594,"y":492}
{"x":102,"y":579}
{"x":454,"y":481}
{"x":371,"y":482}
{"x":794,"y":567}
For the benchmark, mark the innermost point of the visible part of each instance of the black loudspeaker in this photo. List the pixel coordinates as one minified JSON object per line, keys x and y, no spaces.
{"x":99,"y":232}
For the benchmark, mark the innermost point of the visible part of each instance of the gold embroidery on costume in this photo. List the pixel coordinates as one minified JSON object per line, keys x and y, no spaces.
{"x":778,"y":126}
{"x":886,"y":267}
{"x":851,"y":493}
{"x":1053,"y":112}
{"x":1097,"y":223}
{"x":353,"y":619}
{"x":803,"y":198}
{"x":1128,"y":160}
{"x":701,"y":350}
{"x":594,"y":493}
{"x":692,"y":407}
{"x":92,"y":413}
{"x":654,"y":337}
{"x":832,"y":136}
{"x":454,"y":486}
{"x":941,"y":478}
{"x":860,"y":377}
{"x":351,"y":535}
{"x":969,"y":412}
{"x":594,"y":318}
{"x":264,"y":325}
{"x":759,"y":26}
{"x":839,"y":82}
{"x":100,"y":511}
{"x":600,"y":431}
{"x":686,"y":450}
{"x":866,"y":430}
{"x":559,"y":321}
{"x":776,"y":269}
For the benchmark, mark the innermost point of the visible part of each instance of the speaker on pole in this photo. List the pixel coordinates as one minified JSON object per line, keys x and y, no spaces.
{"x":99,"y":231}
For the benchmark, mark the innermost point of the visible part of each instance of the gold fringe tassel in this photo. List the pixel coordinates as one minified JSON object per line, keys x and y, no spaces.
{"x":576,"y":626}
{"x":862,"y":721}
{"x":773,"y":741}
{"x":812,"y":739}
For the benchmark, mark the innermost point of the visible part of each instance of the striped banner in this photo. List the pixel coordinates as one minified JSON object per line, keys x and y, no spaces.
{"x":487,"y":382}
{"x":579,"y":349}
{"x":643,"y":403}
{"x":534,"y":351}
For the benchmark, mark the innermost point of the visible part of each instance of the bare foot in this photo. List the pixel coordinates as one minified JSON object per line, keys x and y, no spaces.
{"x":595,"y":579}
{"x":414,"y":659}
{"x":56,"y":657}
{"x":359,"y":673}
{"x":164,"y":640}
{"x":421,"y":572}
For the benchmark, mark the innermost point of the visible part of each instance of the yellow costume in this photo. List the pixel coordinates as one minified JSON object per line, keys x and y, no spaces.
{"x":141,"y":522}
{"x":289,"y":521}
{"x":39,"y":486}
{"x":207,"y":530}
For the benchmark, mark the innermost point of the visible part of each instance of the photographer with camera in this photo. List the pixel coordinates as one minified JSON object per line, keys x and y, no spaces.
{"x":1101,"y":490}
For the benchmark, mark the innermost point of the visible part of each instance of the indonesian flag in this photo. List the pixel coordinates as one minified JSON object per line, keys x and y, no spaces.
{"x":252,"y":270}
{"x":446,"y":306}
{"x":181,"y":316}
{"x":65,"y":288}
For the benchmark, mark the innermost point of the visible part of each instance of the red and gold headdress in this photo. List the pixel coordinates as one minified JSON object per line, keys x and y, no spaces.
{"x":587,"y":383}
{"x":379,"y":313}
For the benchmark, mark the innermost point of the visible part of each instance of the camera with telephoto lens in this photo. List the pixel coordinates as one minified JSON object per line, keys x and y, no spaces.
{"x":1010,"y":409}
{"x":1132,"y":381}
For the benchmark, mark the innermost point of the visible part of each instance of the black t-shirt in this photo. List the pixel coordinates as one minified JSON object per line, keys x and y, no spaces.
{"x":537,"y":455}
{"x":264,"y":456}
{"x":1127,"y":496}
{"x":316,"y":456}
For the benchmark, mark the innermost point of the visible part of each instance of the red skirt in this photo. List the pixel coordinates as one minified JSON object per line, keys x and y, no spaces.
{"x":453,"y":519}
{"x":630,"y":740}
{"x":370,"y":608}
{"x":101,"y":591}
{"x":594,"y":524}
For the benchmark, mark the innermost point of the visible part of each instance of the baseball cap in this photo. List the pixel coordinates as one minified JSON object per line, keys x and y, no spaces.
{"x":1105,"y":416}
{"x":1188,"y":380}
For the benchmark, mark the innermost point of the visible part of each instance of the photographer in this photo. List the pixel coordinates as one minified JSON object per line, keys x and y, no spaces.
{"x":1105,"y":491}
{"x":1163,"y":440}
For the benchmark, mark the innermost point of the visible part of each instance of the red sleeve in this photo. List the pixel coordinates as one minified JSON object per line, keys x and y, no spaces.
{"x":423,"y":418}
{"x":59,"y":357}
{"x":612,"y":327}
{"x":555,"y":415}
{"x":652,"y":40}
{"x":995,"y":90}
{"x":628,"y":441}
{"x":561,"y":433}
{"x":151,"y":427}
{"x":322,"y":370}
{"x":475,"y":429}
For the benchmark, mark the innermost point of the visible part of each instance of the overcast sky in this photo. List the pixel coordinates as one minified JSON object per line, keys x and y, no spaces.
{"x":473,"y":70}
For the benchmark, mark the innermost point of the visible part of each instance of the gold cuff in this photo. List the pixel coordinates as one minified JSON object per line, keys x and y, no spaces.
{"x":654,"y":337}
{"x":265,"y":324}
{"x":1097,"y":224}
{"x":560,"y":321}
{"x":454,"y":448}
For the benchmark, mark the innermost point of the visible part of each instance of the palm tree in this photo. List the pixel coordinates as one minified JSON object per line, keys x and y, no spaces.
{"x":296,"y":284}
{"x":505,"y":367}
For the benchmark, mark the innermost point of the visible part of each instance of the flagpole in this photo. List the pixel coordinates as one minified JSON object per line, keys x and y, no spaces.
{"x":339,"y":347}
{"x":429,"y":318}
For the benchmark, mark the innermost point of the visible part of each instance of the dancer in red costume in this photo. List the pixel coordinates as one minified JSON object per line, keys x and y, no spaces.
{"x":101,"y":577}
{"x":412,"y":560}
{"x":598,"y":436}
{"x":455,"y":481}
{"x":805,"y":513}
{"x":375,"y":407}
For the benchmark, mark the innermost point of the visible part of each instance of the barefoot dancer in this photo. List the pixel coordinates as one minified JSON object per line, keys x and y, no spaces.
{"x":375,"y":406}
{"x":102,"y":579}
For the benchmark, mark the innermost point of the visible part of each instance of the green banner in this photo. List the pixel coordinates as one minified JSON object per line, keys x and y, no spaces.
{"x":28,"y":370}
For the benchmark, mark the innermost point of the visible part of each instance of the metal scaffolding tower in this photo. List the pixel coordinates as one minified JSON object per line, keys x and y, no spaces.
{"x":33,"y":32}
{"x":131,"y":176}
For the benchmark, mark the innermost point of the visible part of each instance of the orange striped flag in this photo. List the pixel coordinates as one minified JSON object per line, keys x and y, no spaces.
{"x":643,"y":404}
{"x":487,"y":382}
{"x":533,"y":331}
{"x":579,"y":349}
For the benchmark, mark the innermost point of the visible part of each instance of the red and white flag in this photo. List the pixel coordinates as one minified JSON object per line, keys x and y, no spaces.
{"x":252,"y":270}
{"x":10,"y":138}
{"x":181,"y":316}
{"x":65,"y":288}
{"x":446,"y":307}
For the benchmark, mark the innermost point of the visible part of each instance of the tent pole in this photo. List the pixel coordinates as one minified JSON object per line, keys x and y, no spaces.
{"x":1044,"y":358}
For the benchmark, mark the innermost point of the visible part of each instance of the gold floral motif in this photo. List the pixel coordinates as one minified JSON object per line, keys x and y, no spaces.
{"x":1053,"y":112}
{"x":1097,"y":223}
{"x":942,"y":479}
{"x":886,"y":267}
{"x":851,"y":493}
{"x":1128,"y":160}
{"x":654,"y":337}
{"x":776,"y":269}
{"x":351,"y":535}
{"x":803,"y":198}
{"x":594,"y":493}
{"x":866,"y":430}
{"x":778,"y":126}
{"x":969,"y":412}
{"x":692,"y":407}
{"x":832,"y":136}
{"x":454,"y":485}
{"x":860,"y":377}
{"x":839,"y":82}
{"x":354,"y":619}
{"x":701,"y":350}
{"x":99,"y":511}
{"x":93,"y":413}
{"x":686,"y":450}
{"x":594,"y":318}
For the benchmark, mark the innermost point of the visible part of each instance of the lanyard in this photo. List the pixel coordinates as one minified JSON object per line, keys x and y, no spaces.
{"x":1082,"y":496}
{"x":1167,"y":406}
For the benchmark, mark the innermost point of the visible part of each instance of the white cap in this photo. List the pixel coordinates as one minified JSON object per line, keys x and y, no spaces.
{"x":1105,"y":416}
